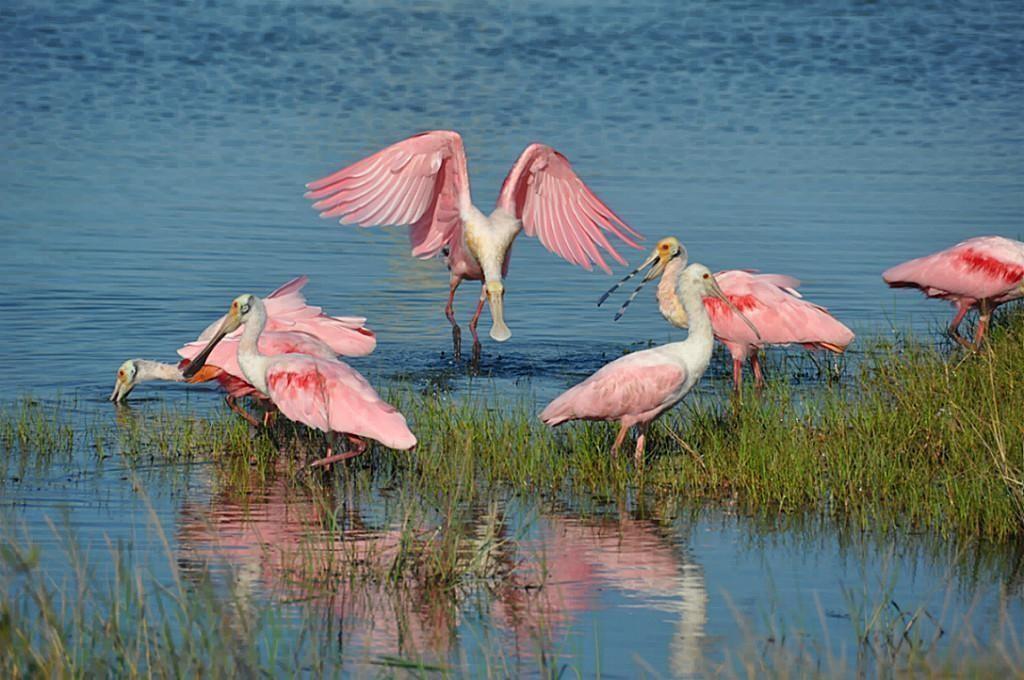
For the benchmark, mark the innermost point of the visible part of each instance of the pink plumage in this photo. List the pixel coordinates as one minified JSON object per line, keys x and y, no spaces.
{"x":423,"y":182}
{"x":773,"y":304}
{"x":628,"y":390}
{"x":333,"y":397}
{"x":225,"y":357}
{"x":982,"y":272}
{"x":288,"y":310}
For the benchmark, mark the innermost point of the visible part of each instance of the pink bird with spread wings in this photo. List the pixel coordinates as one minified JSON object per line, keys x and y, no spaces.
{"x":982,"y":272}
{"x":297,"y":328}
{"x":423,"y":182}
{"x":321,"y":393}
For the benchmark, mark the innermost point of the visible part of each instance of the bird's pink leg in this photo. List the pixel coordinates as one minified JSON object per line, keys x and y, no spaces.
{"x":641,"y":441}
{"x":449,"y":311}
{"x":955,"y":325}
{"x":233,"y":405}
{"x":984,"y":316}
{"x":737,"y":375}
{"x":755,"y":365}
{"x":359,"y":446}
{"x":621,"y":437}
{"x":476,"y":320}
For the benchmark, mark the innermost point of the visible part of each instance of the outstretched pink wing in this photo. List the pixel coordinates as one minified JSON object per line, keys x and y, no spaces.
{"x":770,"y":302}
{"x":556,"y":206}
{"x":421,"y":181}
{"x":333,"y":397}
{"x":982,"y":267}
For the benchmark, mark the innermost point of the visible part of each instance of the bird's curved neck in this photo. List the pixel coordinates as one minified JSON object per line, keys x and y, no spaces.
{"x":669,"y":303}
{"x":253,"y":364}
{"x":147,"y":370}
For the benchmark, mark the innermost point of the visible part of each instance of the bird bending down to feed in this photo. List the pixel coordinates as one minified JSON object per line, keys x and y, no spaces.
{"x":325,"y":394}
{"x":423,"y":182}
{"x":771,"y":301}
{"x":637,"y":388}
{"x":297,"y":327}
{"x":982,"y":272}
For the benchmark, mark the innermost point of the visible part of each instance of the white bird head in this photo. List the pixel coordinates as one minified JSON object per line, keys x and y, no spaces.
{"x":125,"y":381}
{"x":242,"y":308}
{"x":698,"y":277}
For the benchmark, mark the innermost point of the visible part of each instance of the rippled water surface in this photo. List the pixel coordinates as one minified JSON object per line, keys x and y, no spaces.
{"x":154,"y":161}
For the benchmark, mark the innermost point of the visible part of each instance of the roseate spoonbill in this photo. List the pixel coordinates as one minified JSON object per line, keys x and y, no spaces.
{"x":982,"y":272}
{"x":295,"y":327}
{"x":321,"y":393}
{"x":637,"y":388}
{"x":222,"y":367}
{"x":771,"y":301}
{"x":423,"y":182}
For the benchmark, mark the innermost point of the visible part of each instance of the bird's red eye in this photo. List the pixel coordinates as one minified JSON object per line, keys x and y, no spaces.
{"x":120,"y":374}
{"x":707,"y":276}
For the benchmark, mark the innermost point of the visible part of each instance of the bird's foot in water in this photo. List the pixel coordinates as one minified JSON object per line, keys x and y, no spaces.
{"x":358,"y":447}
{"x":457,"y":342}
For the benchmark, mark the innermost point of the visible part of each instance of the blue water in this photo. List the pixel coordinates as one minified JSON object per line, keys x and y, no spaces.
{"x":154,"y":156}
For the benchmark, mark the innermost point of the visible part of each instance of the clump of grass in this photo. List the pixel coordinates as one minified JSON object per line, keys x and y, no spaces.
{"x":29,"y":425}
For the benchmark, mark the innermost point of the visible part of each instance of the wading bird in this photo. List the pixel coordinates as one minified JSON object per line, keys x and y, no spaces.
{"x":325,"y":394}
{"x":423,"y":182}
{"x":771,"y":301}
{"x":639,"y":387}
{"x":982,"y":272}
{"x":295,"y":327}
{"x":222,"y":367}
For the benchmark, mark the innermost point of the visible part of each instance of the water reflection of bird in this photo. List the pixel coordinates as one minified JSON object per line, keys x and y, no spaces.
{"x":295,"y":327}
{"x":325,"y":394}
{"x":981,"y":272}
{"x":423,"y":182}
{"x":582,"y":558}
{"x":770,"y":301}
{"x":637,"y":388}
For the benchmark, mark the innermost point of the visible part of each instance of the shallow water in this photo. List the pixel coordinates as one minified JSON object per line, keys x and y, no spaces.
{"x":154,"y":161}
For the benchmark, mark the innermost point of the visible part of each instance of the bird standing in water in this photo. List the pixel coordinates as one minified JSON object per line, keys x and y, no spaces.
{"x":639,"y":387}
{"x":325,"y":394}
{"x":771,"y":301}
{"x":423,"y":182}
{"x":982,"y":272}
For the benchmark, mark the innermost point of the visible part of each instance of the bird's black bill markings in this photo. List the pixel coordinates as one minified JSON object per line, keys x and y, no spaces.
{"x":200,"y":359}
{"x":625,"y":278}
{"x":632,"y":296}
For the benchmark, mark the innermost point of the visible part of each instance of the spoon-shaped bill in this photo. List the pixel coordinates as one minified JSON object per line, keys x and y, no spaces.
{"x":646,"y":263}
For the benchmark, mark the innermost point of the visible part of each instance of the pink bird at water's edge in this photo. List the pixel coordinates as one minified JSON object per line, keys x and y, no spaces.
{"x":637,"y":388}
{"x":423,"y":182}
{"x":298,"y":327}
{"x":982,"y":272}
{"x":770,"y":301}
{"x":287,"y":310}
{"x":321,"y":393}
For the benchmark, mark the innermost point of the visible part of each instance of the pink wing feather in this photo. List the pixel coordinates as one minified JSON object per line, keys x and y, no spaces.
{"x":333,"y":397}
{"x":781,"y":317}
{"x":420,"y":181}
{"x":621,"y":389}
{"x":287,"y":310}
{"x":555,"y":205}
{"x":983,"y":267}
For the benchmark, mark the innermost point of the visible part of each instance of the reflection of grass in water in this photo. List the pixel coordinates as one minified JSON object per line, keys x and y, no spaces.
{"x":126,"y":622}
